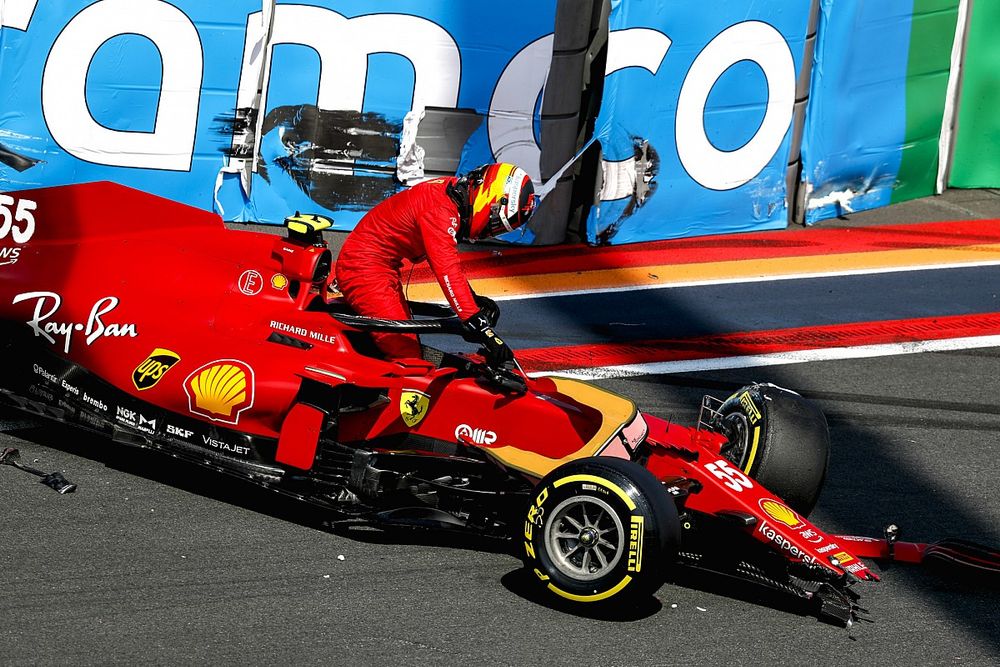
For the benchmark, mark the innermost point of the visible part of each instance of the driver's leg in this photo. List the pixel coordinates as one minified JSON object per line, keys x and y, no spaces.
{"x":383,"y":297}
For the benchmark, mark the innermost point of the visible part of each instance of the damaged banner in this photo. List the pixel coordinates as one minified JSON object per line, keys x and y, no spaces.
{"x":876,"y":104}
{"x":263,"y":107}
{"x":260,"y":108}
{"x":348,"y":106}
{"x":696,"y":117}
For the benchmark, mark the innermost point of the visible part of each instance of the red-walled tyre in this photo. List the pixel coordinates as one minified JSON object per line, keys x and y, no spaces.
{"x":779,"y":439}
{"x":600,"y":530}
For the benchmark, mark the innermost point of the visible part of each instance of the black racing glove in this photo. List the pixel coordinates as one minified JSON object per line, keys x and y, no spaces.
{"x":488,"y":308}
{"x":481,"y":331}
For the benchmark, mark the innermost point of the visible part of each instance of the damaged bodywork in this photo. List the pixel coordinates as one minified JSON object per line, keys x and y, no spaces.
{"x":238,"y":356}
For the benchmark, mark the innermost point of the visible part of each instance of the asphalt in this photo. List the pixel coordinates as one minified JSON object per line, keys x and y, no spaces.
{"x":154,"y":562}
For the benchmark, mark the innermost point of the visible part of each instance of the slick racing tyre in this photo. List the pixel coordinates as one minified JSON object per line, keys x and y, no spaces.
{"x":600,"y":530}
{"x":779,"y":439}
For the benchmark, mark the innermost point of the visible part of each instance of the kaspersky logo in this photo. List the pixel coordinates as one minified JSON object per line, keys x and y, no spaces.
{"x":220,"y":390}
{"x":153,"y":368}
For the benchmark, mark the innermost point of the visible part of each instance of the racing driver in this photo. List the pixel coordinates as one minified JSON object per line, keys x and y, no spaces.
{"x":427,"y":221}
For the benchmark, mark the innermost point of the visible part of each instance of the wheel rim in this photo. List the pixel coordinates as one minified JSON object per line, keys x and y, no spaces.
{"x":737,"y":430}
{"x":584,"y":538}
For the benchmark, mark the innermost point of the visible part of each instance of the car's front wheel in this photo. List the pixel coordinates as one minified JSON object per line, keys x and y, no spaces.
{"x":600,"y":530}
{"x":779,"y":439}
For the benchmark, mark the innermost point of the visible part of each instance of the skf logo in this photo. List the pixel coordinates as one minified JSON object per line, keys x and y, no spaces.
{"x":179,"y":432}
{"x":480,"y":436}
{"x":148,"y":373}
{"x":220,"y":390}
{"x":752,"y":412}
{"x":635,"y":544}
{"x":781,"y":513}
{"x":413,"y":406}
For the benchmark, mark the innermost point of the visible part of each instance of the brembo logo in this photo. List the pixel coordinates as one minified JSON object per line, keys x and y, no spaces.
{"x":480,"y":436}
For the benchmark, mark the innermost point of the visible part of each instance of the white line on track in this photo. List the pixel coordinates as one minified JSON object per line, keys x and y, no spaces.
{"x":777,"y":358}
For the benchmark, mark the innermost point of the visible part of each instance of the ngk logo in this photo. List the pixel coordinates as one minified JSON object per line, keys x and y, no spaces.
{"x":480,"y":436}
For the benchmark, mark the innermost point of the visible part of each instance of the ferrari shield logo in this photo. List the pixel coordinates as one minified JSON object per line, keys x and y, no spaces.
{"x":413,"y":406}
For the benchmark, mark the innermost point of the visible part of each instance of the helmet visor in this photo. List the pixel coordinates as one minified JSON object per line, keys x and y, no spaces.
{"x":505,"y":217}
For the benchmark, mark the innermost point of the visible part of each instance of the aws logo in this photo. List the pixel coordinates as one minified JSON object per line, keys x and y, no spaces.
{"x":149,"y":372}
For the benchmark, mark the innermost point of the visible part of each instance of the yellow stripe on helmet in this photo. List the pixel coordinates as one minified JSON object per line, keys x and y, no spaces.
{"x":485,"y":196}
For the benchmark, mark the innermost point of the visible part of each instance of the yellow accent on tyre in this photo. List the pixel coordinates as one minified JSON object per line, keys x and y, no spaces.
{"x":753,"y":449}
{"x":600,"y":481}
{"x":596,"y":597}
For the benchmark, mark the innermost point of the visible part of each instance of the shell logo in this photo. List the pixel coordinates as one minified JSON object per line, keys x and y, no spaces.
{"x":220,"y":390}
{"x":781,"y":513}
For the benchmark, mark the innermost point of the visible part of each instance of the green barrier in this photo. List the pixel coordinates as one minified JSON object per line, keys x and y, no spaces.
{"x":976,"y":162}
{"x":931,"y":38}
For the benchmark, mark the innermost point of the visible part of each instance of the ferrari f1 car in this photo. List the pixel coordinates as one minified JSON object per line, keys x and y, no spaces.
{"x":150,"y":322}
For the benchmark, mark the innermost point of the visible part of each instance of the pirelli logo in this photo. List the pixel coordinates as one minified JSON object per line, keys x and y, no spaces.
{"x":753,"y":414}
{"x":635,"y":544}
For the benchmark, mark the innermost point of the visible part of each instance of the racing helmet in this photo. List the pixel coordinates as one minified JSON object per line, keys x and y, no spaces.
{"x":501,"y":199}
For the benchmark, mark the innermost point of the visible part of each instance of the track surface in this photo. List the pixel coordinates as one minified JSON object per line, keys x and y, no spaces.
{"x":152,"y":561}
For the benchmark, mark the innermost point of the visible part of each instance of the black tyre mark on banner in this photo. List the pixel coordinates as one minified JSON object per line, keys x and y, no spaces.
{"x":15,"y":160}
{"x":340,"y":159}
{"x":647,"y":166}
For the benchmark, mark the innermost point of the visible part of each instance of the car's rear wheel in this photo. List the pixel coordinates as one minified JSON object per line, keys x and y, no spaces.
{"x":778,"y":438}
{"x":600,"y":530}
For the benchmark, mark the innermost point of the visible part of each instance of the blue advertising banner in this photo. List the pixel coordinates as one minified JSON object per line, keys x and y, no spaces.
{"x":696,"y":117}
{"x":877,"y":103}
{"x":119,"y":90}
{"x":850,"y":153}
{"x":260,"y":108}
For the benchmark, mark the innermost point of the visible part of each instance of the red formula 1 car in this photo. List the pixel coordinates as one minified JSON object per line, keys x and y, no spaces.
{"x":150,"y":322}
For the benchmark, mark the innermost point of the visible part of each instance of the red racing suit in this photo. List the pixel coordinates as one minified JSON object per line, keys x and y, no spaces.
{"x":421,"y":222}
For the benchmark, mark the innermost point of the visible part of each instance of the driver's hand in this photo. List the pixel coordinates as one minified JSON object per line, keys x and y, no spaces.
{"x":498,"y":353}
{"x":488,"y":308}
